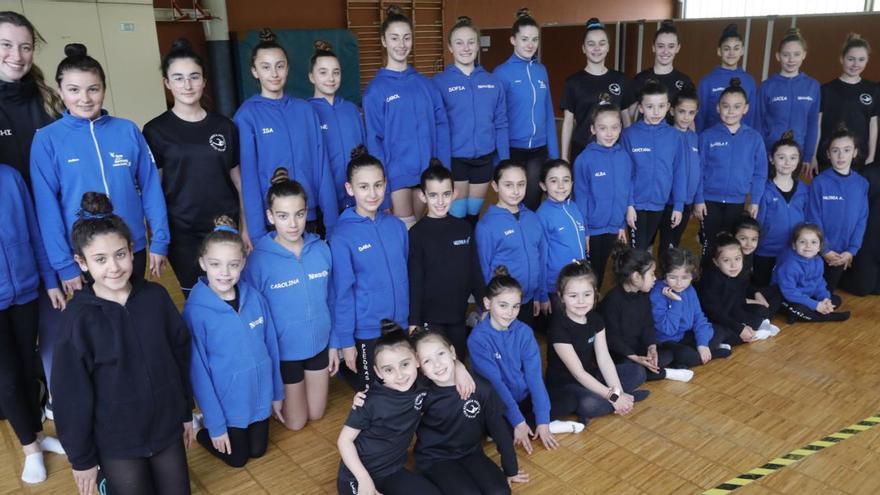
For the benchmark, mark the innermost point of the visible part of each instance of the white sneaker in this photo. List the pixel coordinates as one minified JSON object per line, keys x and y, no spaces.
{"x":679,"y":375}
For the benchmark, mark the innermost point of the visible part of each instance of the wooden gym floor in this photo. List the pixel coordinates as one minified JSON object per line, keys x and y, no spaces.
{"x":768,"y":399}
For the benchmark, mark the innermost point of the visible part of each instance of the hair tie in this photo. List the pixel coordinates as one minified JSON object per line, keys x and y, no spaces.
{"x":87,"y":215}
{"x":226,"y":228}
{"x":595,"y":24}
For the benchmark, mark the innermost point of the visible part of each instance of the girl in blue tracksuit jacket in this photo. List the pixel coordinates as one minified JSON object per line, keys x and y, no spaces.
{"x":476,"y":108}
{"x":799,"y":275}
{"x":89,"y":150}
{"x":658,"y":154}
{"x":370,"y":280}
{"x":838,"y":204}
{"x":734,"y":165}
{"x":291,"y":268}
{"x":530,"y":117}
{"x":504,"y":351}
{"x":23,"y":263}
{"x":730,"y":50}
{"x":684,"y":110}
{"x":278,"y":130}
{"x":234,"y":368}
{"x":406,"y":121}
{"x":790,"y":99}
{"x":341,"y":122}
{"x":603,"y":187}
{"x":510,"y":234}
{"x":782,"y":207}
{"x":565,"y":233}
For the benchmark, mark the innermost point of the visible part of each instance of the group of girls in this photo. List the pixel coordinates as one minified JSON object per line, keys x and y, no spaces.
{"x":273,"y":311}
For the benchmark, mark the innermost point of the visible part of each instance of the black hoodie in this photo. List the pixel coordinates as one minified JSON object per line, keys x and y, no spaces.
{"x":120,"y":376}
{"x":21,"y":114}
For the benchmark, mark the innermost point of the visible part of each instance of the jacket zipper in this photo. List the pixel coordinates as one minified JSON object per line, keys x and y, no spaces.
{"x":522,"y":238}
{"x":100,"y":158}
{"x":534,"y":102}
{"x":388,"y":266}
{"x":576,"y":230}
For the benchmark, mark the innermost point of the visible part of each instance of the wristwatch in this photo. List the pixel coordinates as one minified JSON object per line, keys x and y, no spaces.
{"x":614,"y":396}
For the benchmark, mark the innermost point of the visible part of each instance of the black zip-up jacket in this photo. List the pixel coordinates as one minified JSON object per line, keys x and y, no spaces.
{"x":21,"y":114}
{"x":723,"y":298}
{"x":120,"y":376}
{"x":629,"y":322}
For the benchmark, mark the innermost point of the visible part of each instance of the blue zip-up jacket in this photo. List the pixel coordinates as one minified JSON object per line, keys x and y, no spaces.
{"x":23,"y":258}
{"x":658,"y":154}
{"x":603,"y":187}
{"x":838,"y":204}
{"x":734,"y":164}
{"x":72,"y":156}
{"x":297,"y":290}
{"x":800,"y":279}
{"x":785,"y":103}
{"x":406,"y":125}
{"x":672,"y":319}
{"x":282,"y":133}
{"x":709,"y":92}
{"x":530,"y":117}
{"x":511,"y":361}
{"x":778,"y":218}
{"x":370,"y":280}
{"x":234,"y":369}
{"x":693,"y":169}
{"x":476,"y":108}
{"x":518,"y":244}
{"x":343,"y":130}
{"x":564,"y":236}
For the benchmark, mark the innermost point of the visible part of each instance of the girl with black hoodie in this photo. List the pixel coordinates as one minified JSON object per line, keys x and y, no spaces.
{"x":120,"y":376}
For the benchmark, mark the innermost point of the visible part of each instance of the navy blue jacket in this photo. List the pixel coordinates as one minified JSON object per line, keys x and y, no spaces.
{"x":800,"y":279}
{"x":785,"y":103}
{"x":733,"y":164}
{"x":658,"y":153}
{"x":564,"y":236}
{"x":709,"y":92}
{"x":476,"y":108}
{"x":838,"y":204}
{"x":778,"y":218}
{"x":530,"y":116}
{"x":603,"y":187}
{"x":518,"y":244}
{"x":343,"y":129}
{"x":370,"y":280}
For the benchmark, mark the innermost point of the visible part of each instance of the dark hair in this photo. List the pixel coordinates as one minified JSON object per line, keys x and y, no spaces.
{"x":730,"y":31}
{"x":804,"y":227}
{"x":501,"y":282}
{"x":842,"y":131}
{"x":651,"y":88}
{"x":282,"y":186}
{"x":793,"y":34}
{"x":523,"y":19}
{"x":181,"y":49}
{"x":604,"y":105}
{"x":268,"y":41}
{"x":627,"y":260}
{"x":577,"y":269}
{"x":787,"y":139}
{"x":225,"y":230}
{"x":322,"y":49}
{"x":360,"y":159}
{"x":723,"y":240}
{"x":855,"y":40}
{"x":463,"y":22}
{"x":679,"y":258}
{"x":667,"y":27}
{"x":52,"y":104}
{"x":96,"y":218}
{"x":552,"y":163}
{"x":420,"y":334}
{"x":735,"y":88}
{"x":394,"y":14}
{"x":594,"y":24}
{"x":746,"y":222}
{"x":77,"y":58}
{"x":392,"y":336}
{"x":687,"y":92}
{"x":435,"y":171}
{"x":505,"y":165}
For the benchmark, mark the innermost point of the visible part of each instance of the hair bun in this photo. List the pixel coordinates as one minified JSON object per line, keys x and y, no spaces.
{"x":225,"y":221}
{"x":841,"y":127}
{"x":501,"y":271}
{"x":667,"y":23}
{"x":730,"y":30}
{"x":267,"y":35}
{"x":463,"y":20}
{"x":281,"y":174}
{"x":792,"y":32}
{"x":96,"y":203}
{"x":387,"y":326}
{"x":393,"y":10}
{"x":523,"y":13}
{"x":735,"y":82}
{"x":323,"y":46}
{"x":75,"y":50}
{"x":181,"y":44}
{"x":435,"y":162}
{"x":358,"y":150}
{"x":594,"y":23}
{"x":853,"y":37}
{"x":604,"y":99}
{"x":787,"y":135}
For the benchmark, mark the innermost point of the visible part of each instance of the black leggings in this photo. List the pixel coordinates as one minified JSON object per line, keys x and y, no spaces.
{"x":671,"y":237}
{"x":719,"y":217}
{"x":473,"y":474}
{"x":863,"y":277}
{"x":457,"y":334}
{"x":577,"y":399}
{"x":246,"y":443}
{"x":684,"y":352}
{"x":762,"y":270}
{"x":183,"y":255}
{"x":361,"y":379}
{"x":832,"y":275}
{"x":797,"y":311}
{"x":400,"y":482}
{"x":527,"y":314}
{"x":601,"y":246}
{"x":533,"y":159}
{"x":165,"y":472}
{"x":647,"y":223}
{"x":19,"y":388}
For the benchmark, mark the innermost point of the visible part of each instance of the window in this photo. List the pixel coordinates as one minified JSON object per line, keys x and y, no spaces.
{"x":700,"y":9}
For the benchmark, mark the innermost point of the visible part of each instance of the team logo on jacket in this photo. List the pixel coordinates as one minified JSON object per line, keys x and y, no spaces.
{"x":254,"y":324}
{"x":5,"y":132}
{"x":471,"y":408}
{"x":218,"y":142}
{"x":866,"y":99}
{"x":614,"y":88}
{"x":119,"y":160}
{"x":541,"y":84}
{"x":420,"y":399}
{"x":679,"y":84}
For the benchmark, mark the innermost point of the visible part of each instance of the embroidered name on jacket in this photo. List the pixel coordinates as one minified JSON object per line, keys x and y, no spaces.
{"x":644,"y":149}
{"x":485,"y":86}
{"x":461,"y":242}
{"x":805,"y":98}
{"x":119,"y":160}
{"x":284,"y":285}
{"x":453,"y":89}
{"x":364,"y":247}
{"x":268,"y":130}
{"x":254,"y":324}
{"x":779,"y":98}
{"x":600,"y":174}
{"x":832,"y":197}
{"x":5,"y":132}
{"x":509,"y":232}
{"x":392,"y":98}
{"x":717,"y":144}
{"x":321,"y":274}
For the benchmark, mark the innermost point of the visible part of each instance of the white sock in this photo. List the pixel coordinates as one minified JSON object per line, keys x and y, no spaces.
{"x":34,"y":470}
{"x":679,"y":375}
{"x":724,"y":346}
{"x":762,"y":334}
{"x":409,"y":221}
{"x":51,"y":444}
{"x":773,"y":329}
{"x":197,"y":421}
{"x":566,"y":427}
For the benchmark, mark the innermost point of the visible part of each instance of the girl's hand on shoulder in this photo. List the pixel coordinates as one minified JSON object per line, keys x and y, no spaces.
{"x":631,"y":217}
{"x":360,"y":398}
{"x":57,"y":298}
{"x":157,"y":261}
{"x":520,"y":477}
{"x":222,"y":444}
{"x":811,"y":169}
{"x":705,"y":354}
{"x":464,"y":382}
{"x":349,"y":354}
{"x":333,"y":357}
{"x":85,"y":480}
{"x":521,"y":435}
{"x":278,"y":409}
{"x":72,"y":284}
{"x":670,"y":294}
{"x":547,"y":438}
